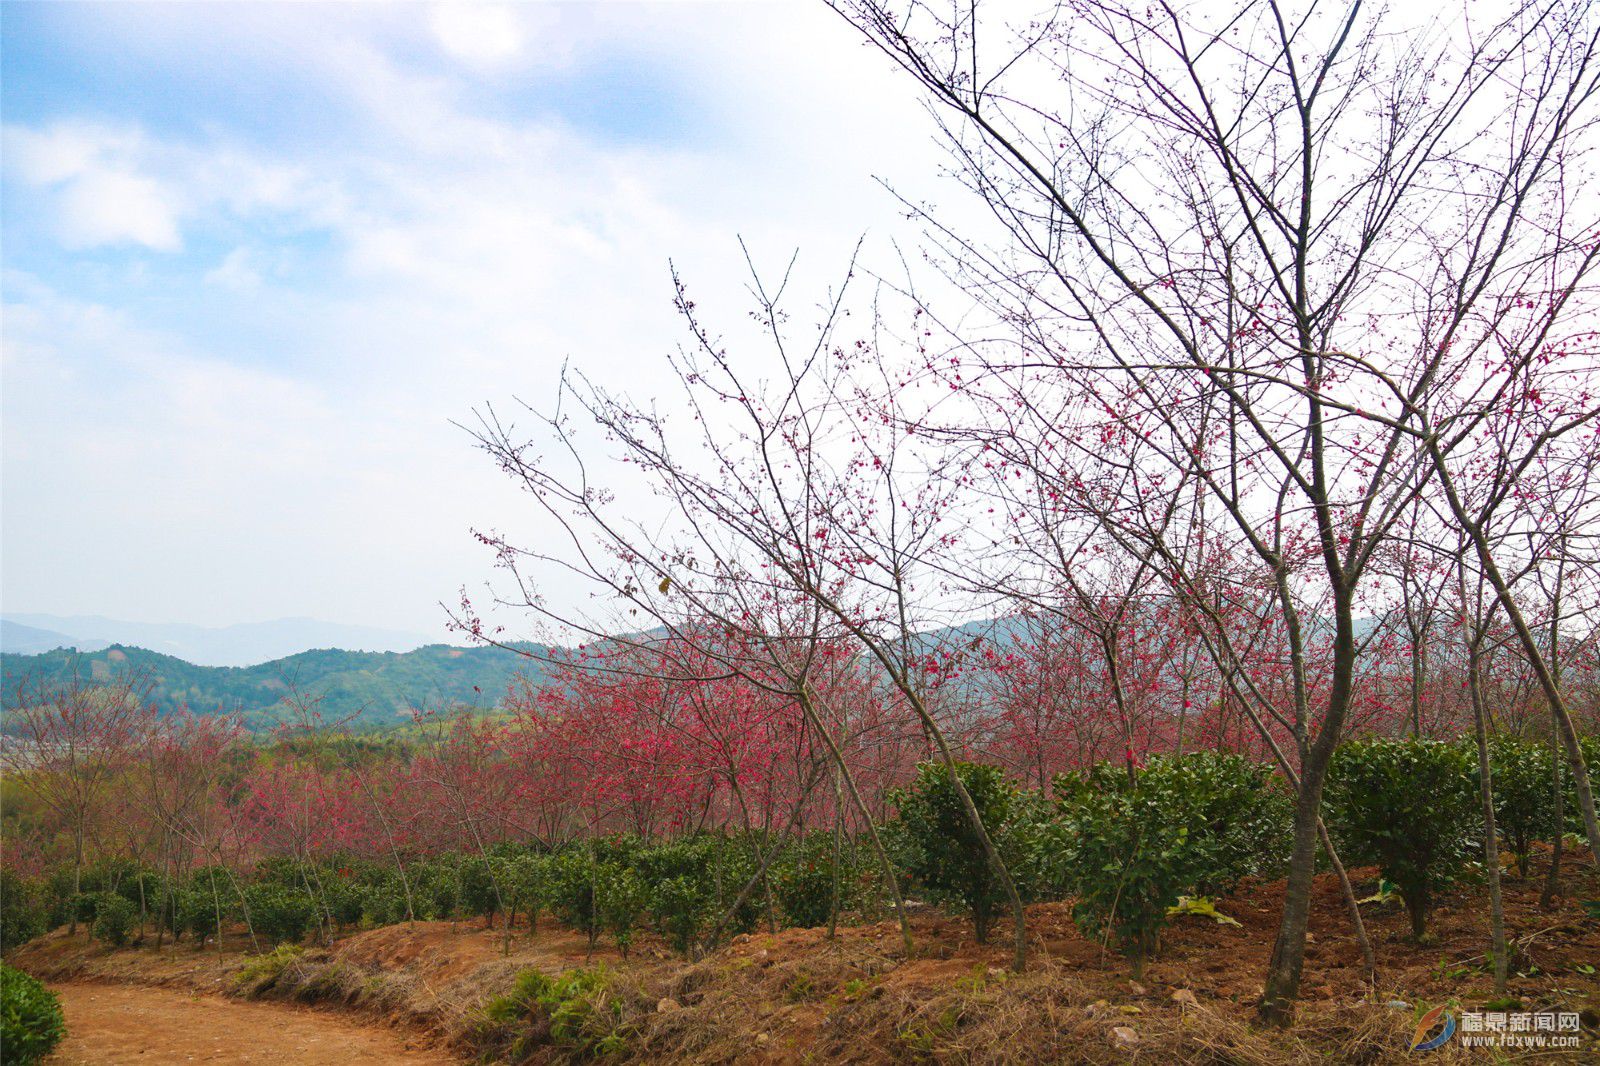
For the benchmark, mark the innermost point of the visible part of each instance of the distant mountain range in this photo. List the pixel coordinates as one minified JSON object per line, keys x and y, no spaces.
{"x":246,"y":644}
{"x":31,"y":640}
{"x":384,"y":687}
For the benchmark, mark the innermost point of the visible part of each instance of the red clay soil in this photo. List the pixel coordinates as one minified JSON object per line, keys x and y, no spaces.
{"x":111,"y":1025}
{"x":1228,"y":962}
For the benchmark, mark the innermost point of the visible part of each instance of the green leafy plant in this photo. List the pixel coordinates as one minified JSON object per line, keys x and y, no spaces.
{"x":1408,"y":807}
{"x":1179,"y":829}
{"x":480,"y":893}
{"x":1524,"y":810}
{"x":575,"y":1011}
{"x":570,"y":892}
{"x":1130,"y":860}
{"x":196,"y":913}
{"x":1589,"y":747}
{"x":31,"y":1024}
{"x":260,"y":971}
{"x":280,"y":914}
{"x":934,"y":841}
{"x":682,"y":908}
{"x":803,"y":881}
{"x":693,"y":885}
{"x":620,"y":898}
{"x":22,"y":910}
{"x":114,"y":919}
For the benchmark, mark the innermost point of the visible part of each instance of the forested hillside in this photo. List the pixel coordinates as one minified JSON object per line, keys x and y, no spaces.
{"x":382,"y":686}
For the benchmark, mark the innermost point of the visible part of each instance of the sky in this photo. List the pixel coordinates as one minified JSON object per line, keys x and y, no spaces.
{"x":259,"y":259}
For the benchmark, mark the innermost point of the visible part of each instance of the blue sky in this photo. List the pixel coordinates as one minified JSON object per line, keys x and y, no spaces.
{"x":257,"y":258}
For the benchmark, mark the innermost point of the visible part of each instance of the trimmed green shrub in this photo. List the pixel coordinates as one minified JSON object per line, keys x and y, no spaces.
{"x":280,"y":914}
{"x":1129,"y":856}
{"x":525,"y":877}
{"x":84,"y":905}
{"x":570,"y":892}
{"x":346,"y":900}
{"x":31,"y":1024}
{"x":114,"y":918}
{"x":1409,"y":807}
{"x":1241,"y":815}
{"x":383,"y":903}
{"x":59,"y":900}
{"x":620,"y":897}
{"x":436,"y":890}
{"x":803,"y":881}
{"x":1035,"y":845}
{"x":683,"y":909}
{"x":1524,"y":807}
{"x":479,"y":892}
{"x":1572,"y":815}
{"x":1182,"y":826}
{"x":196,"y":913}
{"x":22,"y":911}
{"x":935,"y":842}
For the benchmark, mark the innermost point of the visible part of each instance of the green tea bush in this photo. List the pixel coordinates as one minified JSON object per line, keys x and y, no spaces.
{"x":277,"y":870}
{"x":620,"y":898}
{"x":384,"y":903}
{"x":803,"y":881}
{"x":1241,"y":815}
{"x":683,"y":910}
{"x":1181,"y":826}
{"x":526,"y":876}
{"x":196,"y":913}
{"x":22,"y":910}
{"x":690,"y":885}
{"x":279,"y":913}
{"x":1524,"y":808}
{"x":1129,"y":857}
{"x":84,"y":905}
{"x":31,"y":1024}
{"x":436,"y":889}
{"x":59,"y":899}
{"x":935,"y":842}
{"x":479,"y":891}
{"x":142,"y":888}
{"x":1035,"y":845}
{"x":1408,"y":807}
{"x":1572,"y":815}
{"x":114,"y":918}
{"x":570,"y":892}
{"x":346,"y":900}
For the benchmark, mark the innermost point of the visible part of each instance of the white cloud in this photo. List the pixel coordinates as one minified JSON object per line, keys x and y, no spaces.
{"x":477,"y":33}
{"x":235,"y":272}
{"x":108,"y":207}
{"x":99,"y":196}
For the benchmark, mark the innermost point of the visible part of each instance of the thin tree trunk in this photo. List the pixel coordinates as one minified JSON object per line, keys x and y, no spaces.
{"x":838,"y":833}
{"x":1491,"y":845}
{"x":1552,"y":877}
{"x":884,"y":865}
{"x":1369,"y":963}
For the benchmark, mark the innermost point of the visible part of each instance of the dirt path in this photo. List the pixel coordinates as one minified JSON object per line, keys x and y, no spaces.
{"x":115,"y":1024}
